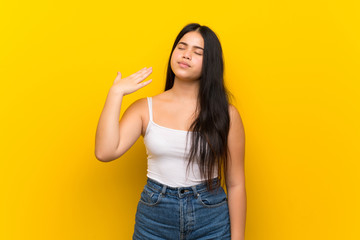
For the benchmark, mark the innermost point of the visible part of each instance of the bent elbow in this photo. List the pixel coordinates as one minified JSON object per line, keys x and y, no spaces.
{"x":102,"y":157}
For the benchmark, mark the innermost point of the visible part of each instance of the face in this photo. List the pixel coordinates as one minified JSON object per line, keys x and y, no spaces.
{"x":187,"y":57}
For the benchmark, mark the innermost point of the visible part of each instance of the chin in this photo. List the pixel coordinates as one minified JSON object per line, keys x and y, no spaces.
{"x":186,"y":78}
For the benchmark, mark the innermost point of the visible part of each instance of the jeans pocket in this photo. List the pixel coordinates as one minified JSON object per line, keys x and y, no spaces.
{"x":213,"y":199}
{"x":150,"y":197}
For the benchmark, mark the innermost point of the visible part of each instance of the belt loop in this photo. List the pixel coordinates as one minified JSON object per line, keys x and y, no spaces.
{"x":163,"y":191}
{"x":196,"y":194}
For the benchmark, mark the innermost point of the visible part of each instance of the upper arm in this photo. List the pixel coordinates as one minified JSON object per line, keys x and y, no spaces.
{"x":130,"y":126}
{"x":235,"y":175}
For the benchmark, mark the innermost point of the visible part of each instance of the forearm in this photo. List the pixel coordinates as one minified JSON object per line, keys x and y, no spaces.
{"x":237,"y":210}
{"x":107,"y":133}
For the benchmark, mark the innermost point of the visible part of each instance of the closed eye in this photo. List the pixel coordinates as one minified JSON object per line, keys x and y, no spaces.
{"x":195,"y":52}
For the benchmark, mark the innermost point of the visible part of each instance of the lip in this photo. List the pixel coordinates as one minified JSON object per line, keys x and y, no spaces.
{"x":184,"y":64}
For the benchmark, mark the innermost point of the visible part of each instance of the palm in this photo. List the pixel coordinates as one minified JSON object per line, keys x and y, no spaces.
{"x":133,"y":82}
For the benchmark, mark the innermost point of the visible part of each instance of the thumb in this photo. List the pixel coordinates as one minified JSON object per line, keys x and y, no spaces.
{"x":119,"y":74}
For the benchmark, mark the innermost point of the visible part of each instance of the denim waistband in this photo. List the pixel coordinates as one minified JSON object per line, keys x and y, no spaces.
{"x":180,"y":191}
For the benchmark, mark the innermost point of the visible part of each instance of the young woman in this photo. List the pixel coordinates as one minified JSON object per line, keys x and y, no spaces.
{"x":192,"y":135}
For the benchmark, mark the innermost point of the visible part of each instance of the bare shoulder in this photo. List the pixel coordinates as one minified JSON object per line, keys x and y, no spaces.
{"x":235,"y":118}
{"x":234,"y":113}
{"x":137,"y":109}
{"x":138,"y":105}
{"x":141,"y":105}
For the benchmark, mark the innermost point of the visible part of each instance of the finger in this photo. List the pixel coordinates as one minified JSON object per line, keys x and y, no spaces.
{"x":142,"y":72}
{"x":118,"y":76}
{"x":138,"y":72}
{"x":143,"y":84}
{"x":143,"y":76}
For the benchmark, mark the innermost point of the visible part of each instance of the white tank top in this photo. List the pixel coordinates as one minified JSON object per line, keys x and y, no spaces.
{"x":168,"y":153}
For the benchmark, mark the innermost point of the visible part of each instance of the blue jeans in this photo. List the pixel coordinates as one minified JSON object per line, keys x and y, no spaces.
{"x":183,"y":213}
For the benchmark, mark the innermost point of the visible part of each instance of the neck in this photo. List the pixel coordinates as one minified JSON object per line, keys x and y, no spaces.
{"x":185,"y":90}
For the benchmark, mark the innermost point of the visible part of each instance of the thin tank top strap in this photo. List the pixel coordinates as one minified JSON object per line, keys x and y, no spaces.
{"x":150,"y":108}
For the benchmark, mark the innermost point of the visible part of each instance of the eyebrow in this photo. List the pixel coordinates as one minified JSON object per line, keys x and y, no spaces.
{"x":188,"y":44}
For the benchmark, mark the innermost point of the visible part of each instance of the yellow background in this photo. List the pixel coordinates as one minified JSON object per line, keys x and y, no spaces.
{"x":293,"y":67}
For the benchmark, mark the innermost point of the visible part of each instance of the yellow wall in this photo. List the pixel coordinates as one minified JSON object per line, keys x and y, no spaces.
{"x":293,"y":67}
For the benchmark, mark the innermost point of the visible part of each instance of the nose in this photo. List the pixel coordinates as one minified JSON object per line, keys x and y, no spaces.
{"x":187,"y":55}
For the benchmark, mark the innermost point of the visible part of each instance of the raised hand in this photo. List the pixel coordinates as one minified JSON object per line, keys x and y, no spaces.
{"x":131,"y":83}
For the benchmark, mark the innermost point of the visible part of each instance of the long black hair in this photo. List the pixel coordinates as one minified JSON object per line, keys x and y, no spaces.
{"x":211,"y":127}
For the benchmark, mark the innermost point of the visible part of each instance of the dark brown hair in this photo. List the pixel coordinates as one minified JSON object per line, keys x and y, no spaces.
{"x":211,"y":128}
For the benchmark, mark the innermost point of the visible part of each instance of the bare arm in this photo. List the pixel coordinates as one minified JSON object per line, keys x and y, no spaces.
{"x":114,"y":138}
{"x":235,"y":179}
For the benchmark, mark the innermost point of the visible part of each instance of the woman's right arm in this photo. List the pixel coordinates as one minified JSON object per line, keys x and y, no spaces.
{"x":114,"y":138}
